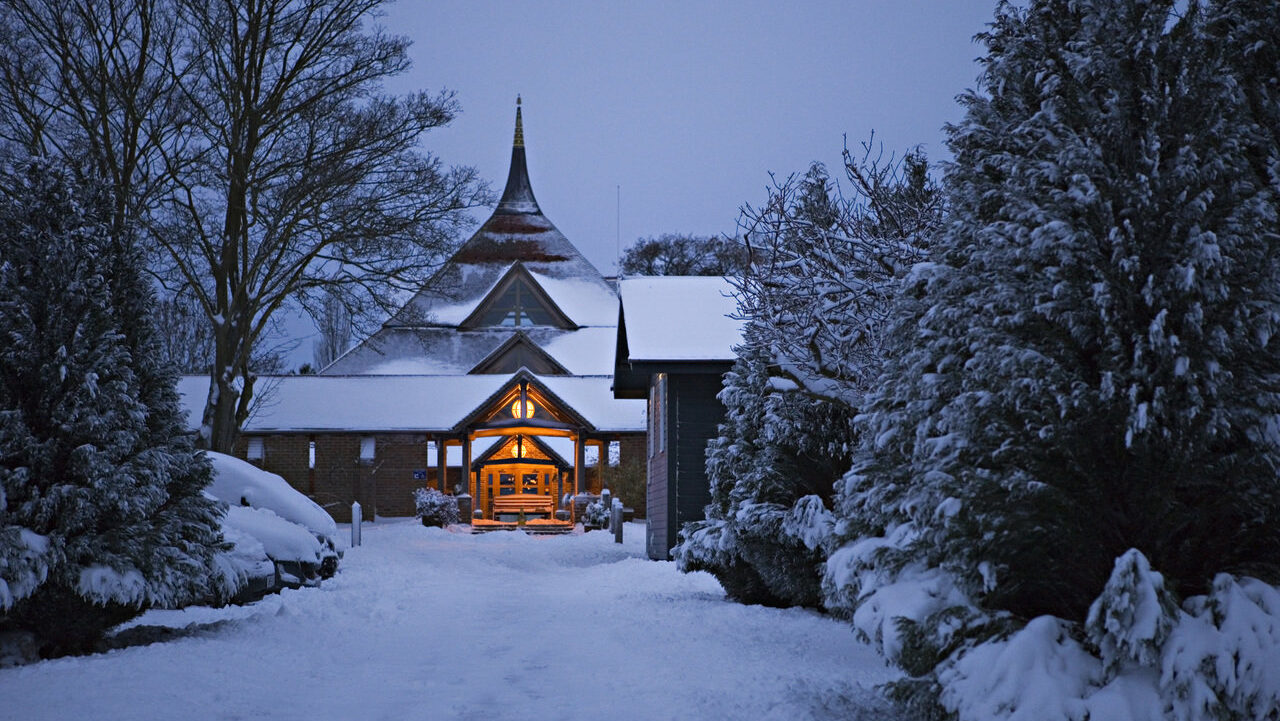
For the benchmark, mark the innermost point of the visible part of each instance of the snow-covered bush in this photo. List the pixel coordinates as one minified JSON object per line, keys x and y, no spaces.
{"x":435,"y":508}
{"x":770,"y":469}
{"x":101,"y":510}
{"x":1139,"y":657}
{"x":595,"y":515}
{"x":1086,"y":364}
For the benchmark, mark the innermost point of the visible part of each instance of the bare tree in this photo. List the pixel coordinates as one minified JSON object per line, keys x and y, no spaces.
{"x":677,"y":254}
{"x":95,"y":82}
{"x":186,"y":340}
{"x":251,"y":142}
{"x":335,"y":332}
{"x":824,"y":266}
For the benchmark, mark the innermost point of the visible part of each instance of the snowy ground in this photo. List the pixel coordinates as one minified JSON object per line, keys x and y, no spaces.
{"x":426,"y":624}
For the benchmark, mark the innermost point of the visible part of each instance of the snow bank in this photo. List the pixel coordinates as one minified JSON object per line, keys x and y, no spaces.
{"x":1139,"y":657}
{"x":281,"y":539}
{"x":239,"y":483}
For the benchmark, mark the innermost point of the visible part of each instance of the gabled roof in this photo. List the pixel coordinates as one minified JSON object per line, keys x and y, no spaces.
{"x":539,"y":450}
{"x":678,"y":318}
{"x":517,"y":352}
{"x":517,"y":280}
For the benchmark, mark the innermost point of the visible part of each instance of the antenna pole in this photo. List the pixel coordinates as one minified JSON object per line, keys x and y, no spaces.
{"x":617,"y":228}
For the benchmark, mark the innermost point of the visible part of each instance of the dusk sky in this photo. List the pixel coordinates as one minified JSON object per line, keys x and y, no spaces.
{"x":686,"y":105}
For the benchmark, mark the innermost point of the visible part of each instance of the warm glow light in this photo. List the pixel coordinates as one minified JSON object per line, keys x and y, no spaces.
{"x":528,"y":409}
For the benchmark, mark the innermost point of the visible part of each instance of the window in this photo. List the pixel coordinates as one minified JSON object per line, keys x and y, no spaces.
{"x":519,"y":305}
{"x":311,"y":454}
{"x":367,"y":446}
{"x":255,"y":450}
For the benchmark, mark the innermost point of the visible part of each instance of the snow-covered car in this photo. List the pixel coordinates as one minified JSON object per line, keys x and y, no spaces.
{"x":281,"y":538}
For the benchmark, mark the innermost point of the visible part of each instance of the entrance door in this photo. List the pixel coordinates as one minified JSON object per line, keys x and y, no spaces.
{"x":512,"y":479}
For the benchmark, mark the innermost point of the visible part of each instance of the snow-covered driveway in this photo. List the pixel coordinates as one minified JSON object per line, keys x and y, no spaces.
{"x":426,"y":624}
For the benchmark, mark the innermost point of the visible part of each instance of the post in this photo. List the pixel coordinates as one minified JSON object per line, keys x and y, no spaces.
{"x":466,"y":461}
{"x":355,"y":524}
{"x":579,"y":463}
{"x":615,"y":520}
{"x":442,"y":466}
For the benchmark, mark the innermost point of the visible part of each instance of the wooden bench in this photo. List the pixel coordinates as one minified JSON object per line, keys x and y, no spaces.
{"x":528,"y":513}
{"x":508,"y":508}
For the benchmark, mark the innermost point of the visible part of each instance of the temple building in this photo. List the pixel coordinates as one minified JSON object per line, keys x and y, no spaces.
{"x":494,"y":380}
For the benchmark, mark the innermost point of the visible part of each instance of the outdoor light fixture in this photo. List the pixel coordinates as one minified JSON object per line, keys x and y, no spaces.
{"x":528,"y":409}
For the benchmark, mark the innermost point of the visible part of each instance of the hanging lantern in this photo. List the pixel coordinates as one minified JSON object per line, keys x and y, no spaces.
{"x":528,"y":409}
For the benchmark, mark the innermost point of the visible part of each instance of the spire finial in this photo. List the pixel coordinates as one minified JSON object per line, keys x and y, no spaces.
{"x":519,"y":141}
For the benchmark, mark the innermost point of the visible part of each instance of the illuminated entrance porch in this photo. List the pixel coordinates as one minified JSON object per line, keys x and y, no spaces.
{"x":522,"y":479}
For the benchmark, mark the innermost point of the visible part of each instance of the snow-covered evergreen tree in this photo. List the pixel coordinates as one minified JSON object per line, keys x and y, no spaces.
{"x":1087,"y":364}
{"x":101,"y":507}
{"x":772,"y":470}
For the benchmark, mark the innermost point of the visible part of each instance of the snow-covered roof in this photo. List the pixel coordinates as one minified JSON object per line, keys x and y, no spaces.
{"x":405,"y":403}
{"x":516,"y":232}
{"x":516,"y":244}
{"x":680,"y":318}
{"x":441,"y":351}
{"x":585,"y":301}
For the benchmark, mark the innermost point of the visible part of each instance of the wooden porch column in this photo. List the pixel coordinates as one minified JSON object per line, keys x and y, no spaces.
{"x":442,"y":465}
{"x":579,"y":463}
{"x":466,"y":463}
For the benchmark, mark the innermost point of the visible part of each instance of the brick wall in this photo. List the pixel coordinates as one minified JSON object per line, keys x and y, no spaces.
{"x":385,"y":487}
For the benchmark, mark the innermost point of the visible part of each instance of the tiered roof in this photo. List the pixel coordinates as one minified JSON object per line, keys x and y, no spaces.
{"x":517,"y":273}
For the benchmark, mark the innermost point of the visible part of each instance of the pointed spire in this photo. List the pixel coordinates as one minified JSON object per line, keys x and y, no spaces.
{"x":517,"y":197}
{"x":519,"y":141}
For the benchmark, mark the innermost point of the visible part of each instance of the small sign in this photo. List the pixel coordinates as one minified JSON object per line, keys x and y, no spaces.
{"x":419,"y":474}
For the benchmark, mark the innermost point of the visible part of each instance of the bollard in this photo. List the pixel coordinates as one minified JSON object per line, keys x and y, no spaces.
{"x":615,"y":520}
{"x":355,"y":524}
{"x":605,"y":495}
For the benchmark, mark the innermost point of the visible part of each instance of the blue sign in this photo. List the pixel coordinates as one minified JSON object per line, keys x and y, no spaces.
{"x":419,"y":474}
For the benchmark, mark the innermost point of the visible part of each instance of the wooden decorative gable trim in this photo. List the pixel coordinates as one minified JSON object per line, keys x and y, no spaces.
{"x":550,"y":412}
{"x":517,"y":301}
{"x":517,"y":352}
{"x":532,"y":447}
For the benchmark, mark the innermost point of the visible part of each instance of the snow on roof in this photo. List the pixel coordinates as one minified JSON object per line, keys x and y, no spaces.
{"x":442,"y":351}
{"x":592,"y":397}
{"x":586,"y":351}
{"x":680,"y":318}
{"x":404,"y":403}
{"x":586,"y":302}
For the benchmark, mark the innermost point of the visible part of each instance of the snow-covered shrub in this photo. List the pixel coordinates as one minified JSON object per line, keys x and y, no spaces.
{"x":101,"y":510}
{"x":712,"y":546}
{"x":1221,"y":660}
{"x":1130,"y":621}
{"x":768,"y":457}
{"x":595,"y":515}
{"x":435,"y":508}
{"x":1139,"y":657}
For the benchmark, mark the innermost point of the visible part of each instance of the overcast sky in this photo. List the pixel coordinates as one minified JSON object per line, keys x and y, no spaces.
{"x":687,"y":106}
